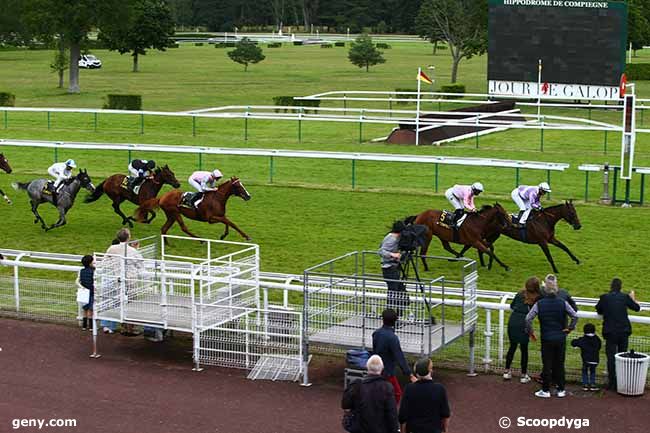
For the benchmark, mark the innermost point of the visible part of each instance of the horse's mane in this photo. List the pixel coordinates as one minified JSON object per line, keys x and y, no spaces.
{"x":484,"y":208}
{"x":557,"y":206}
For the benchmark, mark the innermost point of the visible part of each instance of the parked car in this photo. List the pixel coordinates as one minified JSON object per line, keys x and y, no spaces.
{"x":88,"y":61}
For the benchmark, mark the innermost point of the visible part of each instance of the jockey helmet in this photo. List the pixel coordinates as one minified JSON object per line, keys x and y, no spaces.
{"x":217,"y":174}
{"x":70,"y":163}
{"x":477,"y":187}
{"x":151,"y":164}
{"x":544,"y":186}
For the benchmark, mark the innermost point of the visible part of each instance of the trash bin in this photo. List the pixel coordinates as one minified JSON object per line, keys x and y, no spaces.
{"x":631,"y":372}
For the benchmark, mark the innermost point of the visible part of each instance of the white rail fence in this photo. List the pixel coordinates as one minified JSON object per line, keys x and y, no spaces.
{"x":53,"y":299}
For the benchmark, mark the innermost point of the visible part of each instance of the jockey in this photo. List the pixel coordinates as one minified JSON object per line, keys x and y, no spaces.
{"x":528,"y":198}
{"x":140,"y":169}
{"x":462,"y":197}
{"x":60,"y":171}
{"x":203,"y":181}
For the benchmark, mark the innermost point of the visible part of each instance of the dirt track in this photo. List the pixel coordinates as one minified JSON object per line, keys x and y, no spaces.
{"x":143,"y":387}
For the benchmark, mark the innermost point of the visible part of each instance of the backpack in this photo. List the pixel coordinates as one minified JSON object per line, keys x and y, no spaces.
{"x":357,"y":358}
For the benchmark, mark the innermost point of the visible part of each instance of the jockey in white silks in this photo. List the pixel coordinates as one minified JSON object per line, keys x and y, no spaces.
{"x":60,"y":171}
{"x":203,"y":181}
{"x":528,"y":198}
{"x":461,"y":197}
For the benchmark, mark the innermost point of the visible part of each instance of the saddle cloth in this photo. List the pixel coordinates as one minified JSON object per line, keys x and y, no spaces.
{"x":447,"y":220}
{"x":187,"y":198}
{"x":131,"y":184}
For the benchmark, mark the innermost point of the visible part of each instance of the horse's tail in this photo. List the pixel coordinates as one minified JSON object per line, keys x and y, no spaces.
{"x":410,"y":219}
{"x":99,"y":190}
{"x":146,"y":207}
{"x":20,"y":186}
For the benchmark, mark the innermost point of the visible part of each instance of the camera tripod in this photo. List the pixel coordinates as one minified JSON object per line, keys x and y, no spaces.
{"x":406,"y":264}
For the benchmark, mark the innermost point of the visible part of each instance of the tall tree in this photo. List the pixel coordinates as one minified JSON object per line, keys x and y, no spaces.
{"x":13,"y":30}
{"x":638,"y":24}
{"x":461,"y":23}
{"x":149,"y":25}
{"x":363,"y":53}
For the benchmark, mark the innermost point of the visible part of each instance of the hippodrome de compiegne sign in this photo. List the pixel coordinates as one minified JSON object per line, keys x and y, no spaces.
{"x":581,"y":45}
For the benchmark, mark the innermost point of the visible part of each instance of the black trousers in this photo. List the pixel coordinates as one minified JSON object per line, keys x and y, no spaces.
{"x":397,"y":297}
{"x":553,"y":356}
{"x":614,"y":344}
{"x":524,"y":356}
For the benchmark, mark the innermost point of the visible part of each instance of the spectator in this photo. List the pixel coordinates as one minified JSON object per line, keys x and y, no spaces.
{"x":424,"y":407}
{"x":86,"y":279}
{"x":551,"y":281}
{"x":552,"y":313}
{"x":386,"y":344}
{"x":616,"y":324}
{"x":589,"y":345}
{"x":371,"y":401}
{"x":390,"y":269}
{"x":517,"y":335}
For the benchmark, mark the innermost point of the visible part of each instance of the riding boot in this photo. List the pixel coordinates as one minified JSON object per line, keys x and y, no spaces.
{"x":458,"y":213}
{"x":196,"y":198}
{"x":55,"y":196}
{"x":519,"y":224}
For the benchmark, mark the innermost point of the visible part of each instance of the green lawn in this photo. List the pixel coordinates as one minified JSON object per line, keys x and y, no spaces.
{"x":309,"y":213}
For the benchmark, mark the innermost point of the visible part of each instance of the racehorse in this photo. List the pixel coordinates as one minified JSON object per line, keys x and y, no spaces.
{"x":211,"y":209}
{"x":4,"y":165}
{"x":540,"y":230}
{"x":65,"y":199}
{"x":149,"y":189}
{"x":471,"y":233}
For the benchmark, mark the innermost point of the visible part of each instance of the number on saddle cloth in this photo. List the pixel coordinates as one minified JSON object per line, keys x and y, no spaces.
{"x":48,"y":188}
{"x":446,"y":219}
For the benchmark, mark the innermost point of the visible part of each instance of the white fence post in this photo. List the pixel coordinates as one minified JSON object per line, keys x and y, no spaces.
{"x":488,"y":339}
{"x":17,"y":282}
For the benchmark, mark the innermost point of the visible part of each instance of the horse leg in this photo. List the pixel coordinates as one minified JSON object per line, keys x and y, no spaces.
{"x":227,"y":222}
{"x":179,"y":220}
{"x":148,"y":221}
{"x":61,"y":221}
{"x":37,"y":215}
{"x":125,"y":219}
{"x":547,"y":253}
{"x":481,"y":247}
{"x":564,"y":248}
{"x":448,"y":247}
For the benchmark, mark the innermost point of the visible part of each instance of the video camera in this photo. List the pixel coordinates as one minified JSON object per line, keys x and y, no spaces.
{"x":412,"y":237}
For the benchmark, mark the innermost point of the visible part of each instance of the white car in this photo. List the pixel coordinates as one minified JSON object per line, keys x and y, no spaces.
{"x":88,"y":61}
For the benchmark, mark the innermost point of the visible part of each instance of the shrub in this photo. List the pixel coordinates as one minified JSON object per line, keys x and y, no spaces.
{"x":383,"y":46}
{"x":230,"y":44}
{"x":220,"y":45}
{"x":7,"y":99}
{"x":405,"y":96}
{"x":123,"y":102}
{"x":326,"y":45}
{"x":339,"y":44}
{"x":297,"y":42}
{"x":453,"y":88}
{"x":288,"y":101}
{"x":637,"y":71}
{"x":198,"y":44}
{"x":275,"y":45}
{"x":174,"y":45}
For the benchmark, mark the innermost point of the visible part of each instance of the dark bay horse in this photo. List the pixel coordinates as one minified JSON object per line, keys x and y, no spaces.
{"x":149,"y":189}
{"x":540,"y":230}
{"x":4,"y":165}
{"x":211,"y":209}
{"x":471,"y":233}
{"x":67,"y":193}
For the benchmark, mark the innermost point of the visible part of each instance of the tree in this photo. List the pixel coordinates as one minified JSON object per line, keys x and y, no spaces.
{"x":428,"y":30}
{"x":638,"y":24}
{"x":60,"y":63}
{"x":246,"y":52}
{"x":13,"y":30}
{"x":363,"y":53}
{"x":149,"y":25}
{"x":461,"y":23}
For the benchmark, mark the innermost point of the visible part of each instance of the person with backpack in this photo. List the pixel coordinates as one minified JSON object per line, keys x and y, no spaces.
{"x":369,"y":403}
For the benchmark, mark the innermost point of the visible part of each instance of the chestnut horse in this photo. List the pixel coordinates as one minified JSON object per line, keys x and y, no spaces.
{"x":540,"y":230}
{"x":471,"y":233}
{"x":4,"y":165}
{"x":149,"y":189}
{"x":211,"y":209}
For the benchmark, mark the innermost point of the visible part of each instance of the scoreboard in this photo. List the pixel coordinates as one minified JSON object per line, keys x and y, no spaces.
{"x":581,"y":45}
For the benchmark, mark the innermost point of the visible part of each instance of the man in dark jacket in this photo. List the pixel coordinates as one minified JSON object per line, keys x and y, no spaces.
{"x":552,"y":312}
{"x":617,"y":329}
{"x":424,"y":408}
{"x":372,"y":401}
{"x":386,"y":344}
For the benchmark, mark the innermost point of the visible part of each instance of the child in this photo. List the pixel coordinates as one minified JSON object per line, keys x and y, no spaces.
{"x":86,"y":279}
{"x":589,"y":345}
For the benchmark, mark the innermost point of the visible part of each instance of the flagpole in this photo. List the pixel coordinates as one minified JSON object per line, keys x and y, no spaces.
{"x":539,"y":89}
{"x":417,"y":111}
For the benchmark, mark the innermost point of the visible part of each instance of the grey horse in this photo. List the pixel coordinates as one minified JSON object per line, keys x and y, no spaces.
{"x":4,"y":165}
{"x":65,"y":199}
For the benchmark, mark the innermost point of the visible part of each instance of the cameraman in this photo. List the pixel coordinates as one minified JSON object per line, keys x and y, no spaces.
{"x":390,"y":256}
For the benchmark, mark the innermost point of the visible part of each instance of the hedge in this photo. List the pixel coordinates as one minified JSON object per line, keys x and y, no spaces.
{"x":637,"y":71}
{"x":383,"y":46}
{"x":174,"y":46}
{"x":288,"y":101}
{"x":123,"y":102}
{"x":452,"y":88}
{"x":339,"y":44}
{"x":297,"y":42}
{"x":198,"y":44}
{"x":275,"y":45}
{"x":326,"y":45}
{"x":7,"y":99}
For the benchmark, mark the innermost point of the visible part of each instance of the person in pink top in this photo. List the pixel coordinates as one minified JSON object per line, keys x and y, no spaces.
{"x":203,"y":181}
{"x":528,"y":198}
{"x":461,"y":197}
